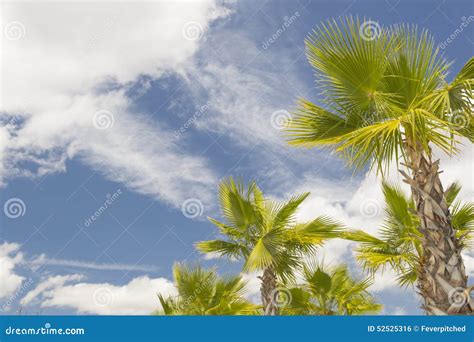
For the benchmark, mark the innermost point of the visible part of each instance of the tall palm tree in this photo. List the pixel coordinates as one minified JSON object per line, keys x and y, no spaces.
{"x":202,"y":292}
{"x":331,"y":292}
{"x":265,"y":235}
{"x":385,"y":100}
{"x":399,"y":244}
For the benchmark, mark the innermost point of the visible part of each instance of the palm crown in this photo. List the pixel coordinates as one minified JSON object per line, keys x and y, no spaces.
{"x":331,"y":291}
{"x":202,"y":292}
{"x":399,"y":244}
{"x":266,"y":235}
{"x":378,"y":91}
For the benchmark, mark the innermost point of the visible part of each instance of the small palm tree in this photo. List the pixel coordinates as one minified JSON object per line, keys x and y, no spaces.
{"x":265,"y":235}
{"x":385,"y":100}
{"x":331,"y":292}
{"x":202,"y":292}
{"x":400,"y":243}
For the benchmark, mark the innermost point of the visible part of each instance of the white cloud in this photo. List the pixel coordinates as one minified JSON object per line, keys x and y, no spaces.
{"x":69,"y":74}
{"x":253,"y":286}
{"x":469,"y":263}
{"x":10,"y":257}
{"x":50,"y":283}
{"x":138,"y":297}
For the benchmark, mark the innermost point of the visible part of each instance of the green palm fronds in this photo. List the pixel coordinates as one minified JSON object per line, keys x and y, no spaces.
{"x":331,"y":291}
{"x":376,"y":91}
{"x":265,"y":233}
{"x":202,"y":292}
{"x":399,"y":242}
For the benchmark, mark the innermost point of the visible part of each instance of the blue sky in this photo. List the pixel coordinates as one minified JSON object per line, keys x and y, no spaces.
{"x":205,"y":70}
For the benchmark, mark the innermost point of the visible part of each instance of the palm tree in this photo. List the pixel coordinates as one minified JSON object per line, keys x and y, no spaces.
{"x":331,"y":292}
{"x":265,"y":235}
{"x":400,"y":243}
{"x":202,"y":292}
{"x":385,"y":99}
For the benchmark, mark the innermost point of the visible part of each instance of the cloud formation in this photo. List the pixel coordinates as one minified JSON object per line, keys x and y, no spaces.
{"x":10,"y":257}
{"x":138,"y":297}
{"x":65,"y":91}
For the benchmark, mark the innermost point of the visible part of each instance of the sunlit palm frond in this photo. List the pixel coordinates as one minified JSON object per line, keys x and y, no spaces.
{"x":379,"y":91}
{"x":202,"y":292}
{"x":307,"y":236}
{"x":235,"y":203}
{"x":329,"y":291}
{"x":284,"y":215}
{"x":349,"y":67}
{"x":228,"y":249}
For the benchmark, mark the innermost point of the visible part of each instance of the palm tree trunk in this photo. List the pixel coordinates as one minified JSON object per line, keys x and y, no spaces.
{"x":442,"y":280}
{"x":268,"y":291}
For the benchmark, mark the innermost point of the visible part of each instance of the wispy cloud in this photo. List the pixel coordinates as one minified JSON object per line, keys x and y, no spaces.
{"x":44,"y":261}
{"x":76,"y":84}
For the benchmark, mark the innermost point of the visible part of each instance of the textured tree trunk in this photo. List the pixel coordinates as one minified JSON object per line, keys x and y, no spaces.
{"x":268,"y":291}
{"x":442,"y":280}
